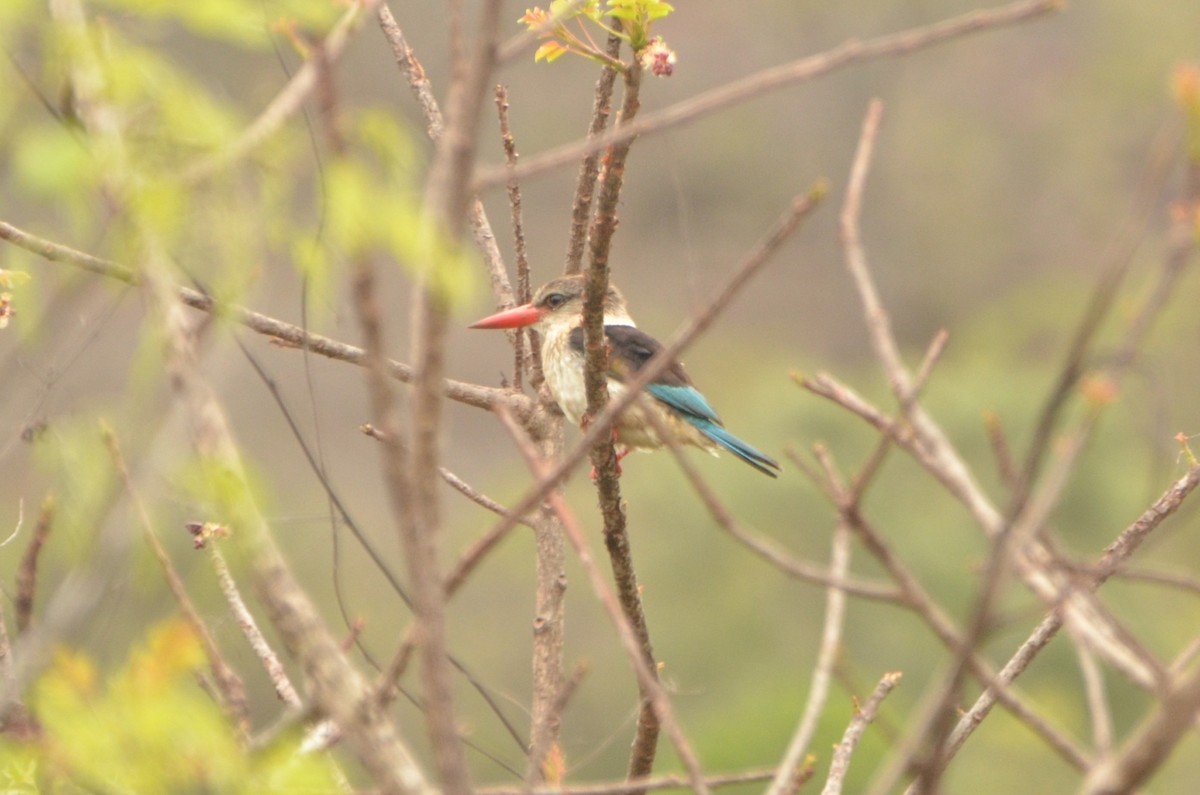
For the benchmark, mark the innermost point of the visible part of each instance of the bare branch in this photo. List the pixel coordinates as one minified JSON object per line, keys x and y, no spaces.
{"x":1126,"y":543}
{"x":27,"y":572}
{"x":634,"y":785}
{"x":747,"y":88}
{"x":245,"y":619}
{"x":518,"y":228}
{"x":287,"y":102}
{"x":414,"y":73}
{"x":1150,"y":745}
{"x":589,"y":167}
{"x":294,"y":336}
{"x":648,"y":682}
{"x":835,"y":611}
{"x":843,"y":750}
{"x":229,"y":685}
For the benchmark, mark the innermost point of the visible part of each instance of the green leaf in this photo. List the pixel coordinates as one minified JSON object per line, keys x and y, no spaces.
{"x":51,"y":162}
{"x":549,"y":52}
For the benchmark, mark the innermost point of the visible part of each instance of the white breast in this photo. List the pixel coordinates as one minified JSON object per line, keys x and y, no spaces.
{"x":563,"y":369}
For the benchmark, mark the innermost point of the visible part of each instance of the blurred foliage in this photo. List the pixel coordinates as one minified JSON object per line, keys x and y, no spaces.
{"x":147,"y":728}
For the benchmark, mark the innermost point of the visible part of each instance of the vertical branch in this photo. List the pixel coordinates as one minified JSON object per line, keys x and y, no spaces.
{"x":514,"y":203}
{"x":447,"y":200}
{"x":549,"y":624}
{"x":551,"y":577}
{"x":1097,"y":700}
{"x":589,"y":167}
{"x":604,"y":458}
{"x":835,"y":610}
{"x":645,"y":672}
{"x":27,"y":573}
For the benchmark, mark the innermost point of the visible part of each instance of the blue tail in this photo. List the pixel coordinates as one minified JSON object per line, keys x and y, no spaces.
{"x":760,"y":461}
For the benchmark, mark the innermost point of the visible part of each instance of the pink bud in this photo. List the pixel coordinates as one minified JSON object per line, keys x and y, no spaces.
{"x":658,"y":58}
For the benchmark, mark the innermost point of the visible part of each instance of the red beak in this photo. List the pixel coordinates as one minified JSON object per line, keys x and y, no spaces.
{"x":525,"y":315}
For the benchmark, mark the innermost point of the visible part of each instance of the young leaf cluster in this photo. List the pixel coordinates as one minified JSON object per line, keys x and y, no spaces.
{"x":567,"y":27}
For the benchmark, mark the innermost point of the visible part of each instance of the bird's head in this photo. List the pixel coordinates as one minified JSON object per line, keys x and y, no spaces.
{"x":559,"y":302}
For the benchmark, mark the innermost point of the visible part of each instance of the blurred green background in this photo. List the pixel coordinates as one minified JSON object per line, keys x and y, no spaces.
{"x":1007,"y":162}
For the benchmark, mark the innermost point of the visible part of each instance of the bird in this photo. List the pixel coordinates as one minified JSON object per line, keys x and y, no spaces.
{"x":556,"y":311}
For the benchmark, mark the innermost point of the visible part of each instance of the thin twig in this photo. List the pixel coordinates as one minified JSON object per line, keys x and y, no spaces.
{"x":286,"y":103}
{"x":540,"y":746}
{"x":262,"y":648}
{"x":747,"y":88}
{"x":27,"y":571}
{"x":858,"y":724}
{"x":635,"y":785}
{"x":589,"y":166}
{"x":648,"y":683}
{"x":518,"y":229}
{"x":1097,"y":701}
{"x":478,"y":497}
{"x":414,"y":73}
{"x":1006,"y":466}
{"x":831,"y":638}
{"x":292,"y":335}
{"x":230,"y":686}
{"x":16,"y":525}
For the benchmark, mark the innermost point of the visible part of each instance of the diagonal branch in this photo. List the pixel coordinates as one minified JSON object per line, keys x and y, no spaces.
{"x":831,"y":638}
{"x":288,"y":101}
{"x":804,"y":69}
{"x":294,"y":336}
{"x":862,"y":717}
{"x":414,"y":73}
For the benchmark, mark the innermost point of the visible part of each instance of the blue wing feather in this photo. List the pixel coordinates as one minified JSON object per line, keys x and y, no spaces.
{"x":684,"y":399}
{"x":760,"y":461}
{"x":695,"y":410}
{"x":630,"y":349}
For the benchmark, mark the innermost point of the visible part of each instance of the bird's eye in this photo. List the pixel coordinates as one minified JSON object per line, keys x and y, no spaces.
{"x":555,"y":300}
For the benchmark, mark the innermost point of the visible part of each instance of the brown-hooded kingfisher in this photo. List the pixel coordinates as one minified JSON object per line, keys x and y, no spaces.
{"x":557,"y":313}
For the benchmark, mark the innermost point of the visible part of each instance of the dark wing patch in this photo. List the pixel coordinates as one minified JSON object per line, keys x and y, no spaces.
{"x":630,"y":349}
